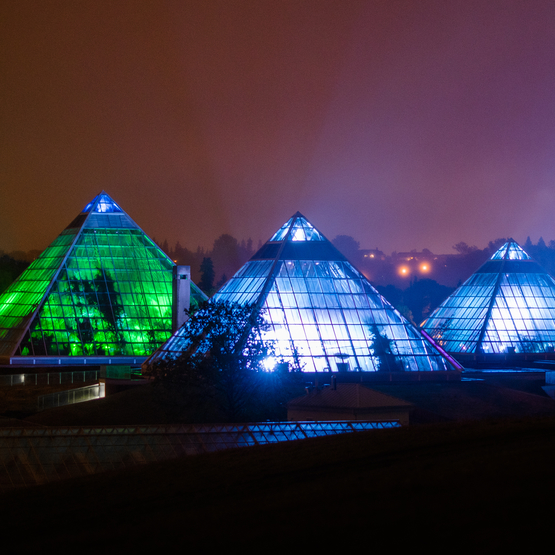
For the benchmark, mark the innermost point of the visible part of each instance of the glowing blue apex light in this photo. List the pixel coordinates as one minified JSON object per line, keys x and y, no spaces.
{"x":511,"y":250}
{"x":102,"y":204}
{"x":323,"y":315}
{"x":299,"y":229}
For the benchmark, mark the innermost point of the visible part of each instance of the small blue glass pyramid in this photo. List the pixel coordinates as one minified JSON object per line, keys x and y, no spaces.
{"x":507,"y":306}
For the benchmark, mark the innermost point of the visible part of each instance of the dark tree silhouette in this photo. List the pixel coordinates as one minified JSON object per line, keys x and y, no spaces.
{"x":463,"y":248}
{"x":382,"y":348}
{"x":348,"y":247}
{"x":225,"y":256}
{"x":220,"y":372}
{"x":10,"y":270}
{"x":207,"y":274}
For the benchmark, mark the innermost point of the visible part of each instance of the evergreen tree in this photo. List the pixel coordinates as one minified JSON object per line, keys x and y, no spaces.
{"x":527,"y":244}
{"x":349,"y":247}
{"x":250,"y":252}
{"x":226,"y":256}
{"x":207,"y":275}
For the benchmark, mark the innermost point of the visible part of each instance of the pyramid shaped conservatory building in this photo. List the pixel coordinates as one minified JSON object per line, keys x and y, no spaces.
{"x":323,"y":314}
{"x":505,"y":310}
{"x":102,"y":292}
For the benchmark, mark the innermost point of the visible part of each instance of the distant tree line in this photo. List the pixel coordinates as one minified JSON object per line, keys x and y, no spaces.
{"x":210,"y":269}
{"x":448,"y":269}
{"x":415,"y":293}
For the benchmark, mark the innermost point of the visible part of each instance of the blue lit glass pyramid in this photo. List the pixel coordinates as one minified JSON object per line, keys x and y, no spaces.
{"x":507,"y":306}
{"x":103,"y":288}
{"x":324,"y":315}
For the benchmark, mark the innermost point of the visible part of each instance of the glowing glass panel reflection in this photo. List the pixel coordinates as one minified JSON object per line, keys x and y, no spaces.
{"x":316,"y":323}
{"x":511,"y":251}
{"x":301,"y":230}
{"x":113,"y":296}
{"x":104,"y":205}
{"x":322,"y":315}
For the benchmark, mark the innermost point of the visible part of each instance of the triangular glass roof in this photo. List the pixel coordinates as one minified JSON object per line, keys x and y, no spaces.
{"x":323,"y":313}
{"x":102,"y":204}
{"x":507,"y":306}
{"x":511,"y":250}
{"x":297,"y":228}
{"x":102,"y":288}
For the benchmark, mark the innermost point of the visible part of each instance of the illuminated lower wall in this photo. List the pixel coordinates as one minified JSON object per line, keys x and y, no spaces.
{"x":330,"y":317}
{"x":324,"y":316}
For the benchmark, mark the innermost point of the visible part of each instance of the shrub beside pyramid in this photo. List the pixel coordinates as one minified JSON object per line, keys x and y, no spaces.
{"x":507,"y":306}
{"x":324,"y":315}
{"x":103,"y":288}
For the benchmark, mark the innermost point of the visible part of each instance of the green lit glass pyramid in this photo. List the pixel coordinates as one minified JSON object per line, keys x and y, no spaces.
{"x":103,"y":288}
{"x":507,"y":306}
{"x":324,"y":315}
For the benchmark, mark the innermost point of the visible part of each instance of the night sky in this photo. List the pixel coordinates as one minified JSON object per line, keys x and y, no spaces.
{"x":406,"y":124}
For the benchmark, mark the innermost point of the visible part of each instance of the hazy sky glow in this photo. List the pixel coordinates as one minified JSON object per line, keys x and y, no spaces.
{"x":406,"y":124}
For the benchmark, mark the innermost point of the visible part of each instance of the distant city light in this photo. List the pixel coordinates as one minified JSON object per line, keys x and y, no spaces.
{"x":404,"y":271}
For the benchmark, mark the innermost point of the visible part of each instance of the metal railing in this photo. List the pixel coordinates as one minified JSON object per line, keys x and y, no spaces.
{"x":71,"y":396}
{"x":49,"y":378}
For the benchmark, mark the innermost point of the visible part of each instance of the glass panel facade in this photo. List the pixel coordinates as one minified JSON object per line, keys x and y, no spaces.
{"x":20,"y":301}
{"x":102,"y":204}
{"x":301,"y":230}
{"x":327,"y":314}
{"x":102,"y":288}
{"x":511,"y":251}
{"x":113,"y":296}
{"x":499,"y":311}
{"x":323,"y":315}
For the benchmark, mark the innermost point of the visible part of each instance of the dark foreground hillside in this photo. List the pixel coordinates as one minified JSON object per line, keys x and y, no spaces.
{"x":485,"y":485}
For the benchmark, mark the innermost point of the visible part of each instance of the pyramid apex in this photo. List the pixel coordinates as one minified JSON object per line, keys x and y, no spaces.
{"x":102,"y":203}
{"x":297,"y":228}
{"x":511,"y":250}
